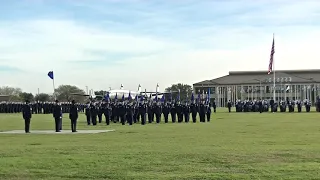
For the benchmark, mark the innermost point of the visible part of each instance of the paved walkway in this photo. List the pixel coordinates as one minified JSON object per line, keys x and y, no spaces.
{"x":53,"y":132}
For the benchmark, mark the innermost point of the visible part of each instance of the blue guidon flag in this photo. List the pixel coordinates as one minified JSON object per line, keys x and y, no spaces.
{"x":50,"y":74}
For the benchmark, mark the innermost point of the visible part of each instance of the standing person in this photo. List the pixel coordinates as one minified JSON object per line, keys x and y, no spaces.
{"x":93,"y":113}
{"x":208,"y":112}
{"x":142,"y":112}
{"x":202,"y":112}
{"x":27,"y":114}
{"x":194,"y":110}
{"x":73,"y":116}
{"x":88,"y":113}
{"x":57,"y":112}
{"x":99,"y":112}
{"x":229,"y":106}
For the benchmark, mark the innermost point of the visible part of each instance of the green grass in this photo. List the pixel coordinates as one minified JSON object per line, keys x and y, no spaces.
{"x":232,"y":146}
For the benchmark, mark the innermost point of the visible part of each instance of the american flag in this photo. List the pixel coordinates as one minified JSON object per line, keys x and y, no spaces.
{"x":271,"y":58}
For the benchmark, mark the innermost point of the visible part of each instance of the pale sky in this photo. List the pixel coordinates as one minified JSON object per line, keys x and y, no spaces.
{"x":105,"y":43}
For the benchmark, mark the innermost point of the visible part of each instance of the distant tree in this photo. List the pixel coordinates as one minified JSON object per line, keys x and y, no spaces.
{"x":42,"y":97}
{"x":12,"y":92}
{"x":14,"y":98}
{"x":64,"y":93}
{"x":185,"y":91}
{"x":101,"y":92}
{"x":26,"y":96}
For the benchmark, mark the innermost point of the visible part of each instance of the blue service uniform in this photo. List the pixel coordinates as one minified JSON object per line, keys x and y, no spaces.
{"x":27,"y":115}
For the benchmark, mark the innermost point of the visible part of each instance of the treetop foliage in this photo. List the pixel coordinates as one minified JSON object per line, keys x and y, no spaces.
{"x":64,"y":93}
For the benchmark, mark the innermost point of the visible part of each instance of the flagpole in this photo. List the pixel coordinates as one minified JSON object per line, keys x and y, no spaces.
{"x":274,"y":77}
{"x":54,"y":89}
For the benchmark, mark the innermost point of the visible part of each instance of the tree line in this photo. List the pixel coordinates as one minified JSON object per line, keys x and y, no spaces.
{"x":64,"y":93}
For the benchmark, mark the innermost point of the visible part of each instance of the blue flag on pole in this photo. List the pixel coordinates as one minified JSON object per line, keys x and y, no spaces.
{"x":129,"y":96}
{"x":163,"y":99}
{"x":50,"y":74}
{"x":106,"y":97}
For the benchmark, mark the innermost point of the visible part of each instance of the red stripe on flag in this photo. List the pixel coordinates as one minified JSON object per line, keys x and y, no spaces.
{"x":271,"y":58}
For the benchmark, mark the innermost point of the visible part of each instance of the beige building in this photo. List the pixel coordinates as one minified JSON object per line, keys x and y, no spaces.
{"x":290,"y":84}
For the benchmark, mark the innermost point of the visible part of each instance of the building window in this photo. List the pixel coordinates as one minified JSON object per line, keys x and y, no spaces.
{"x":212,"y":90}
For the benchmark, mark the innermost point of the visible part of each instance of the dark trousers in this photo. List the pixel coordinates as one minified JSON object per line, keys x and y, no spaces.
{"x":158,"y":118}
{"x":57,"y":124}
{"x":202,"y":117}
{"x":73,"y":125}
{"x":94,"y":120}
{"x":186,"y":117}
{"x":123,"y":120}
{"x":143,"y":119}
{"x":208,"y":117}
{"x":173,"y":117}
{"x":60,"y":124}
{"x":229,"y":109}
{"x":88,"y":119}
{"x":180,"y":118}
{"x":130,"y":119}
{"x":307,"y":108}
{"x":150,"y":116}
{"x":107,"y":119}
{"x":100,"y":118}
{"x":194,"y":117}
{"x":27,"y":125}
{"x":166,"y":118}
{"x":135,"y":118}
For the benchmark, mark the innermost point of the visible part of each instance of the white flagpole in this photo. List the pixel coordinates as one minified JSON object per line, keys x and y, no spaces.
{"x":54,"y":89}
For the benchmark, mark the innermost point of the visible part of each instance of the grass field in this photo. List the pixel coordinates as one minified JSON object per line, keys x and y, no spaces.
{"x":231,"y":146}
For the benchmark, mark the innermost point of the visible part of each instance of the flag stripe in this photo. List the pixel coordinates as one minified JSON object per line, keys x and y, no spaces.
{"x":271,"y":58}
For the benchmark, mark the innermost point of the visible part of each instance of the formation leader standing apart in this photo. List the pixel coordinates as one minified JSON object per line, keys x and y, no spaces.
{"x":73,"y":116}
{"x":27,"y":114}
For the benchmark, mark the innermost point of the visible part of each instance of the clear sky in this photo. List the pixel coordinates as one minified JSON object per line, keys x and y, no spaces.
{"x":105,"y":43}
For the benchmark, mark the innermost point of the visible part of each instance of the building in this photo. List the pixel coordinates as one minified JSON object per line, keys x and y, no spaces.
{"x":289,"y":84}
{"x":4,"y":98}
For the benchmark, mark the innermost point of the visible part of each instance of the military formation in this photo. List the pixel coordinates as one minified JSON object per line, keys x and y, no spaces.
{"x":273,"y":106}
{"x":125,"y":111}
{"x":37,"y":107}
{"x":133,"y":111}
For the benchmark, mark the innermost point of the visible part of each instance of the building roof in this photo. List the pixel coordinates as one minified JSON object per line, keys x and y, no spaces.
{"x":255,"y":77}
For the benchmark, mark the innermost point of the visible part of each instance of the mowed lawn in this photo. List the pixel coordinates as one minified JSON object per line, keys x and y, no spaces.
{"x":231,"y":146}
